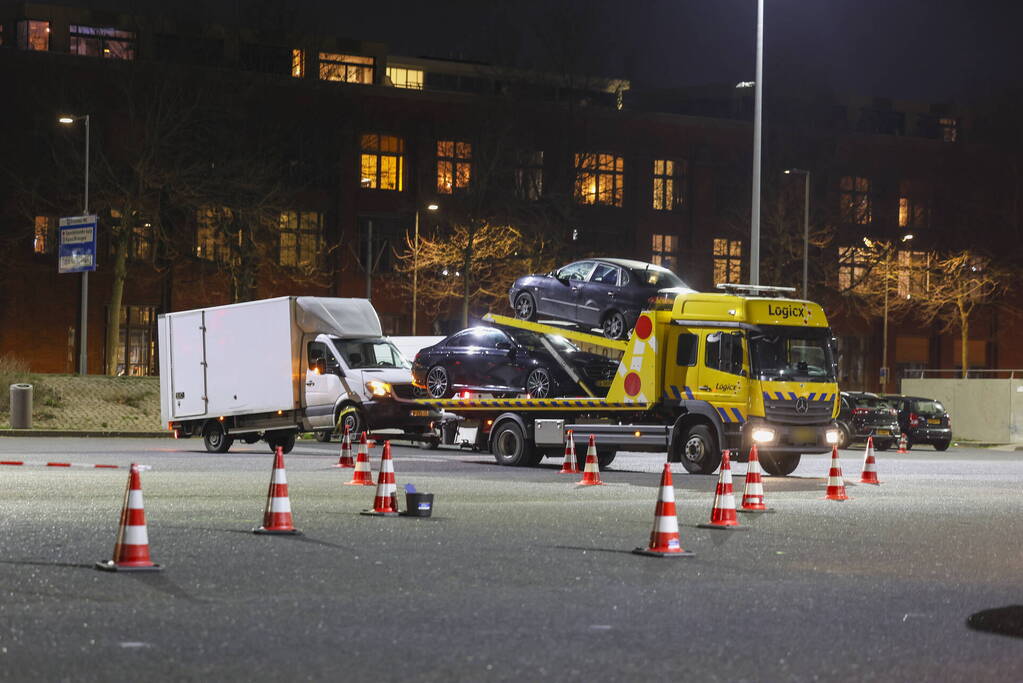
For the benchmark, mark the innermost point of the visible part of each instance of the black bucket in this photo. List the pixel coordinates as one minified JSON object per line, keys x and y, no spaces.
{"x":418,"y":504}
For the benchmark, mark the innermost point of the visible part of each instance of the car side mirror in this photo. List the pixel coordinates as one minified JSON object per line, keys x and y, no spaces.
{"x":505,"y":345}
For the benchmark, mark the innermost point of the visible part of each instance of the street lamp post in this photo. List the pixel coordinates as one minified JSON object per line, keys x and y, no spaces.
{"x":415,"y":266}
{"x":83,"y":357}
{"x":806,"y":222}
{"x":758,"y":98}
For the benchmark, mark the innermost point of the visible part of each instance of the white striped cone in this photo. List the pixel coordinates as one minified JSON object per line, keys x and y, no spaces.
{"x":903,"y":444}
{"x":722,"y":515}
{"x":346,"y":451}
{"x":385,"y":503}
{"x":591,"y":472}
{"x":753,"y":491}
{"x":664,"y":540}
{"x":363,"y":475}
{"x":869,"y":475}
{"x":131,"y":551}
{"x":277,"y":514}
{"x":571,"y":464}
{"x":836,"y":485}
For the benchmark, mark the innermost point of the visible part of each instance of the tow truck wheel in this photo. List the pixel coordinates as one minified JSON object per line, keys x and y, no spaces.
{"x":699,"y":450}
{"x":352,"y":419}
{"x":283,"y":439}
{"x":525,"y":306}
{"x":509,"y":445}
{"x":605,"y":456}
{"x":843,"y":437}
{"x":323,"y":436}
{"x":779,"y":464}
{"x":215,"y":438}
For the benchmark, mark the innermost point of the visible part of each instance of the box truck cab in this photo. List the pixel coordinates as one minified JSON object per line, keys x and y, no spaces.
{"x":270,"y":369}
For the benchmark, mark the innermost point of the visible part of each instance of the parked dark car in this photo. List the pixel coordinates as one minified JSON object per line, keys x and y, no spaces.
{"x":863,"y":415}
{"x":508,"y":363}
{"x":608,"y":293}
{"x":922,"y":420}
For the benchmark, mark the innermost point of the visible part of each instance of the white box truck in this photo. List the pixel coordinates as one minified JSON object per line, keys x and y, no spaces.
{"x":270,"y":369}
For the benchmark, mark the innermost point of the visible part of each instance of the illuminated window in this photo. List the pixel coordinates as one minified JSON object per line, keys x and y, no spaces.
{"x":669,"y":182}
{"x":383,"y":162}
{"x":599,"y":179}
{"x":401,"y":77}
{"x":99,"y":41}
{"x":34,"y":35}
{"x":298,"y":63}
{"x":855,"y":264}
{"x":142,"y":242}
{"x":211,"y":234}
{"x":346,"y":68}
{"x":662,"y":251}
{"x":43,"y":241}
{"x":727,"y":260}
{"x":913,"y":273}
{"x":136,"y":353}
{"x":529,"y":175}
{"x":301,"y":235}
{"x":949,"y":129}
{"x":912,"y":205}
{"x":454,"y":165}
{"x":855,"y":200}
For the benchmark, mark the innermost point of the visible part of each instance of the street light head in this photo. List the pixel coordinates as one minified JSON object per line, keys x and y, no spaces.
{"x":796,"y":171}
{"x":66,"y":120}
{"x":869,"y":242}
{"x":906,"y":238}
{"x":432,"y":207}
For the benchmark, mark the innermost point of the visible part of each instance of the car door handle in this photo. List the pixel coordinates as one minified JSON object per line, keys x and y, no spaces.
{"x":704,"y":388}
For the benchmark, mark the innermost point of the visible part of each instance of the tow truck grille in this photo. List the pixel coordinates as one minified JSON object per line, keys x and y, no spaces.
{"x":408,"y":391}
{"x":784,"y":410}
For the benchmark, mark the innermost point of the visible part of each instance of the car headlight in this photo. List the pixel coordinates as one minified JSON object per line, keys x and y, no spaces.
{"x":763,"y":435}
{"x":831,"y":436}
{"x":378,"y":388}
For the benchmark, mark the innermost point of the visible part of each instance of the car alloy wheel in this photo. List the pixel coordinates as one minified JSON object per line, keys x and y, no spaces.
{"x":525,"y":306}
{"x":437,"y":382}
{"x":614,"y":325}
{"x":539,"y":384}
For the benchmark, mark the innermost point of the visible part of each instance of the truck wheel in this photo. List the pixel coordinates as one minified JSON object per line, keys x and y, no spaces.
{"x":605,"y":456}
{"x":438,"y":383}
{"x":525,"y":306}
{"x":216,"y":439}
{"x":323,"y":436}
{"x":699,"y":450}
{"x":779,"y":464}
{"x":285,"y":440}
{"x":843,"y":437}
{"x":509,"y":445}
{"x":352,"y":419}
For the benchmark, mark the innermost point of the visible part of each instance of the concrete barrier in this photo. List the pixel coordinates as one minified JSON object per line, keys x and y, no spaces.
{"x":988,"y":410}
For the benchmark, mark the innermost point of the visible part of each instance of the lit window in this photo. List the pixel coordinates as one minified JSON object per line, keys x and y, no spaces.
{"x":212,"y":226}
{"x":383,"y":161}
{"x":669,"y":182}
{"x":662,"y":251}
{"x":298,"y":63}
{"x":599,"y":179}
{"x":401,"y":77}
{"x":142,"y":242}
{"x":913,"y":273}
{"x":949,"y":129}
{"x":855,"y":200}
{"x":855,"y":264}
{"x":529,"y":175}
{"x":346,"y":68}
{"x":301,"y":236}
{"x":43,"y":242}
{"x":34,"y":35}
{"x":454,"y":165}
{"x":136,"y":353}
{"x":727,"y":260}
{"x":98,"y":41}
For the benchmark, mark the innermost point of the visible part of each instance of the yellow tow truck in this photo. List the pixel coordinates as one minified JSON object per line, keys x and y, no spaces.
{"x":701,"y":372}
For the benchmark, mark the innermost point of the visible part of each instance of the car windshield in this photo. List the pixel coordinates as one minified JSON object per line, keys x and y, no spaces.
{"x":869,"y":402}
{"x":928,"y":407}
{"x":657,"y":277}
{"x":370,"y":353}
{"x":782,"y":353}
{"x":531,"y":341}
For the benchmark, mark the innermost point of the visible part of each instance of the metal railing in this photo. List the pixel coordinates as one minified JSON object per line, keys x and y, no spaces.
{"x":957,"y":374}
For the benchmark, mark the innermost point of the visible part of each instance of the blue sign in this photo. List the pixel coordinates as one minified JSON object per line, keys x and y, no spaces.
{"x":77,"y":250}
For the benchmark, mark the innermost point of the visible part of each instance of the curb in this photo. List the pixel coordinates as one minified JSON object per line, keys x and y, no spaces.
{"x":86,"y":433}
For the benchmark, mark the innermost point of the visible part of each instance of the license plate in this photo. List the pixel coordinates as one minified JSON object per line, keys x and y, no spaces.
{"x":884,"y":432}
{"x":804,"y":435}
{"x":932,"y":421}
{"x":420,"y":413}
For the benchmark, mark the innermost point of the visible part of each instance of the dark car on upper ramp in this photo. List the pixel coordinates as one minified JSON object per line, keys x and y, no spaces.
{"x":608,"y":293}
{"x":509,"y":363}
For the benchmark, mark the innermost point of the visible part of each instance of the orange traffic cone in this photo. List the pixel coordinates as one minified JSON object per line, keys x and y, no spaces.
{"x":903,"y":444}
{"x":869,"y":475}
{"x":571,"y":465}
{"x":363,"y":475}
{"x":722,"y":515}
{"x":346,"y":451}
{"x":385,"y":504}
{"x":753,"y":491}
{"x":836,"y":485}
{"x":664,"y":541}
{"x":591,"y":472}
{"x":277,"y":514}
{"x":131,"y":551}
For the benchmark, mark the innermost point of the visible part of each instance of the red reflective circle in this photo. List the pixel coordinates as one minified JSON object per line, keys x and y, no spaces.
{"x":633,"y":384}
{"x":644,"y":327}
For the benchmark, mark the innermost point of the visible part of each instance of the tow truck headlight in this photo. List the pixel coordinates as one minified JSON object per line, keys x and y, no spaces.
{"x":763,"y":435}
{"x":378,"y":388}
{"x":831,"y":436}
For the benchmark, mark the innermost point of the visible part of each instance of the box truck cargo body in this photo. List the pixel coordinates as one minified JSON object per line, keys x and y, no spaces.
{"x":272,"y":368}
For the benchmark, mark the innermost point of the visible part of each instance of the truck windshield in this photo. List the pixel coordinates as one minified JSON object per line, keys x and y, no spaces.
{"x":803,"y":354}
{"x":370,"y":353}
